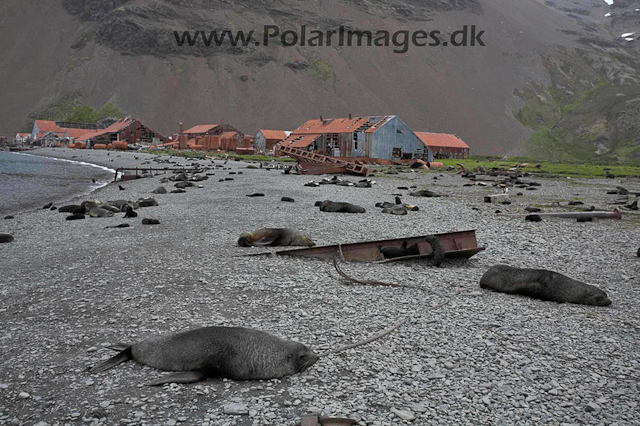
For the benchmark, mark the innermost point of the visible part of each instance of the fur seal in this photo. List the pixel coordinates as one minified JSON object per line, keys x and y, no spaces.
{"x":88,"y":205}
{"x":7,"y":217}
{"x":396,"y":210}
{"x":147,"y":221}
{"x":47,"y":206}
{"x":160,"y":190}
{"x":69,"y":208}
{"x":393,"y":252}
{"x":235,"y":353}
{"x":147,"y":202}
{"x":76,"y":216}
{"x":533,"y":218}
{"x":6,"y":238}
{"x":425,"y":193}
{"x":256,"y":194}
{"x":287,"y":199}
{"x":110,"y":207}
{"x":100,"y":212}
{"x":338,"y":207}
{"x":130,"y":213}
{"x":542,"y":284}
{"x":178,"y":191}
{"x":274,"y":237}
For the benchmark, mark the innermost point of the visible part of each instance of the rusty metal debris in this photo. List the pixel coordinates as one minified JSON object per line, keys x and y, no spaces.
{"x":455,"y":244}
{"x":311,"y":163}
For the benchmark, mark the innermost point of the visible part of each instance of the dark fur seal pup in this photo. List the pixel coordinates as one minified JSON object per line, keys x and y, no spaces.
{"x":69,"y":209}
{"x":287,"y":199}
{"x":147,"y":221}
{"x":393,"y":252}
{"x":274,"y":237}
{"x":130,"y":213}
{"x":337,"y":207}
{"x":425,"y":193}
{"x":542,"y":284}
{"x":228,"y":352}
{"x":6,"y":238}
{"x":76,"y":216}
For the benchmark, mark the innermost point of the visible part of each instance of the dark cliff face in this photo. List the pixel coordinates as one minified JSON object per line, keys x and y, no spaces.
{"x":553,"y":74}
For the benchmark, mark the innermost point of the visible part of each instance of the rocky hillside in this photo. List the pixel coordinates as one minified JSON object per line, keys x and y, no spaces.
{"x":553,"y":79}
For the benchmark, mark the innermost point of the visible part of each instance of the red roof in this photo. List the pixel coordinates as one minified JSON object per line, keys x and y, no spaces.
{"x":441,"y":140}
{"x":228,"y":135}
{"x":331,"y":125}
{"x":201,"y":128}
{"x":299,"y":141}
{"x":274,"y":134}
{"x":114,"y":128}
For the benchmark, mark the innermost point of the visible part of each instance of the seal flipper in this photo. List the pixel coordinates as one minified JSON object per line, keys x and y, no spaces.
{"x":182,"y":377}
{"x":118,"y":347}
{"x":123,"y":356}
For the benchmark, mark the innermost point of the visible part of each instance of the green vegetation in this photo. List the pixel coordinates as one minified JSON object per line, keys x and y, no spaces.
{"x":70,"y":107}
{"x":322,"y":70}
{"x":583,"y":170}
{"x":583,"y":116}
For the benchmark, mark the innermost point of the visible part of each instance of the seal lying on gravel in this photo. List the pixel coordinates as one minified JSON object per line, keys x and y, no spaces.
{"x":274,"y":237}
{"x":235,"y":353}
{"x":337,"y":207}
{"x":6,"y":238}
{"x":542,"y":284}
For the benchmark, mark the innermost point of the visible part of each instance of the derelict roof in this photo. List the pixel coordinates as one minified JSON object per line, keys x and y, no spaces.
{"x":201,"y":128}
{"x":443,"y":140}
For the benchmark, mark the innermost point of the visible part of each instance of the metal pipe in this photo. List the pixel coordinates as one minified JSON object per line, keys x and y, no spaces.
{"x":615,"y":214}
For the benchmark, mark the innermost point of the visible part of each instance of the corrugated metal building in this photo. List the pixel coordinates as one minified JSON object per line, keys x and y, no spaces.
{"x":212,"y":137}
{"x":265,"y":140}
{"x":385,"y":137}
{"x":125,"y":130}
{"x":444,"y":145}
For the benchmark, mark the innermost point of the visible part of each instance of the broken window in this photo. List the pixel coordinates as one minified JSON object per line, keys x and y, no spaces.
{"x":397,"y":152}
{"x":355,"y":145}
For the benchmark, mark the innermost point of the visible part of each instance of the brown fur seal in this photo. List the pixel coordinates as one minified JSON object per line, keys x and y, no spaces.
{"x":542,"y":284}
{"x":274,"y":237}
{"x":338,"y":207}
{"x":235,"y":353}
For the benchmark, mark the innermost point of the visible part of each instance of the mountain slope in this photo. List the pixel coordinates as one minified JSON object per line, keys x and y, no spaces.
{"x":124,"y":52}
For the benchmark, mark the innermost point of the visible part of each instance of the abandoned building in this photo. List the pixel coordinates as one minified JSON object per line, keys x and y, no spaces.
{"x":444,"y":145}
{"x":265,"y":140}
{"x":125,"y":130}
{"x":49,"y":133}
{"x":210,"y":137}
{"x":383,"y":137}
{"x":22,"y":139}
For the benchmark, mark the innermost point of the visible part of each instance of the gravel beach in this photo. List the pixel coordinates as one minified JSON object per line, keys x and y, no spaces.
{"x":466,"y":356}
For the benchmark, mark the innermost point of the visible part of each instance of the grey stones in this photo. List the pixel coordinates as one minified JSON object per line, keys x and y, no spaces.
{"x":404,"y":414}
{"x":235,"y":408}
